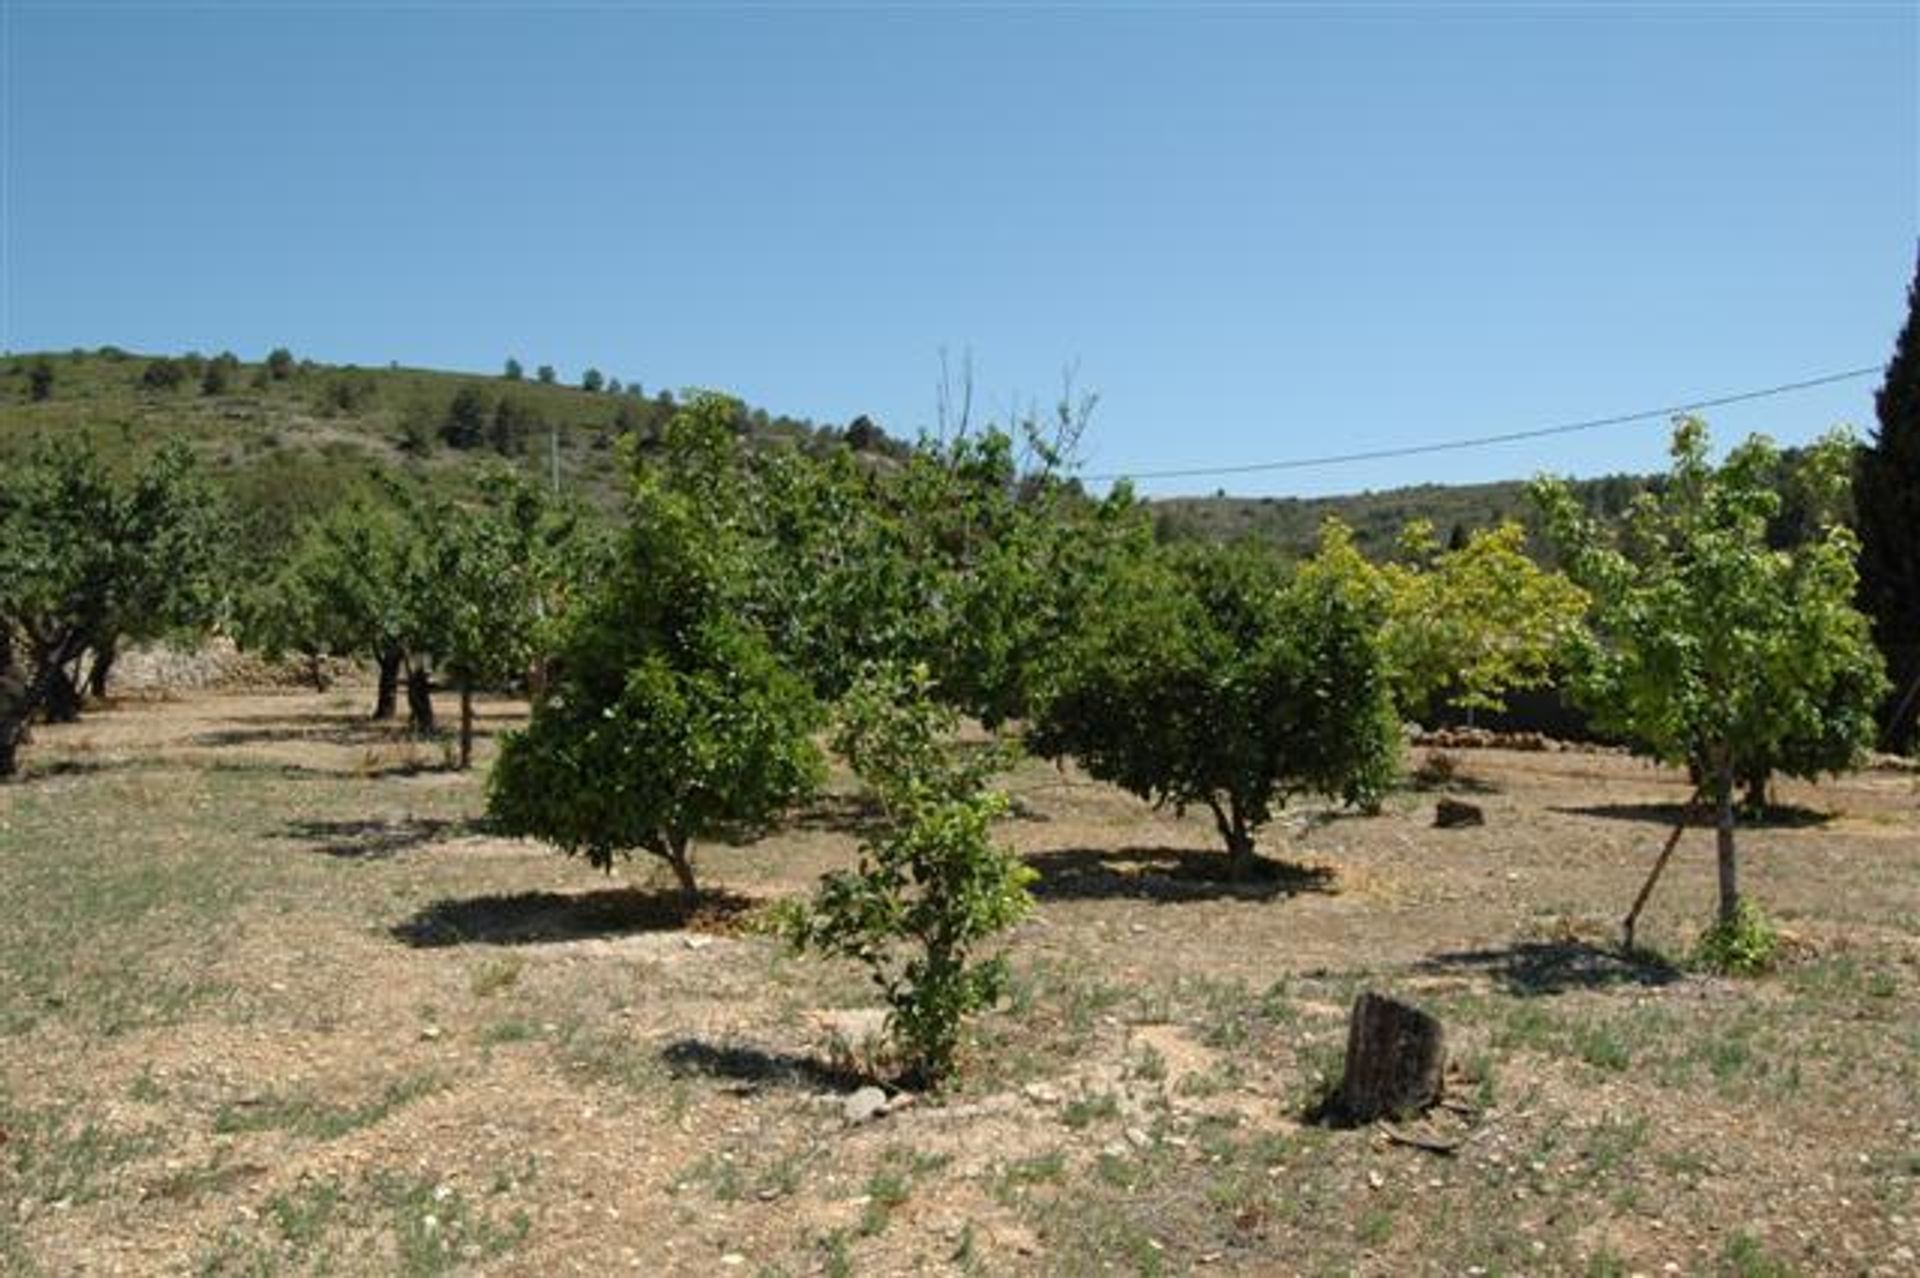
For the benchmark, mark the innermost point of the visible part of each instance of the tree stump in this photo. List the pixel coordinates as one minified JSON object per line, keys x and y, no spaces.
{"x":1395,"y":1058}
{"x":1451,"y":814}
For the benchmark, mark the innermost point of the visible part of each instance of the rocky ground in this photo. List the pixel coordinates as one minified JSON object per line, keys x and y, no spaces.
{"x":273,"y":1001}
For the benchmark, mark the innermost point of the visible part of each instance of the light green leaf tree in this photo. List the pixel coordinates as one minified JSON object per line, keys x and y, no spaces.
{"x":1708,"y":646}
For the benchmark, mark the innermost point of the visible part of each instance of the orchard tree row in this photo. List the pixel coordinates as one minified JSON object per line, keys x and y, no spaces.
{"x":683,"y":665}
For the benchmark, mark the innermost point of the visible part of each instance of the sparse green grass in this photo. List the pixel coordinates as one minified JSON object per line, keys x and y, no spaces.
{"x":304,"y":1115}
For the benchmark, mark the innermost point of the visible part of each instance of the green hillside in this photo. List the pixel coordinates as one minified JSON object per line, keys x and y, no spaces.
{"x":289,"y":437}
{"x":292,"y":437}
{"x":1293,"y":523}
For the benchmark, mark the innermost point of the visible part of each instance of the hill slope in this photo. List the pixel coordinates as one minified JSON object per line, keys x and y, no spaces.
{"x":291,"y":437}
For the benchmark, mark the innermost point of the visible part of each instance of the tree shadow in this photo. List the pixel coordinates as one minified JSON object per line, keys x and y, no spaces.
{"x":1777,"y":816}
{"x":1528,"y":969}
{"x":542,"y":918}
{"x":340,"y":732}
{"x":32,"y":770}
{"x":377,"y":839}
{"x":1167,"y":876}
{"x":758,"y":1067}
{"x":858,"y":815}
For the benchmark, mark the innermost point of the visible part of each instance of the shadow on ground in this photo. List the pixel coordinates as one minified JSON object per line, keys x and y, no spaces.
{"x":1782,"y":816}
{"x":375,"y":840}
{"x":1166,"y":875}
{"x":757,"y":1067}
{"x":339,"y":732}
{"x":1530,"y":968}
{"x":858,"y":815}
{"x":539,"y":918}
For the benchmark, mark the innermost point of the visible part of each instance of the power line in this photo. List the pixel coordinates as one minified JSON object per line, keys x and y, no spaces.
{"x":1481,"y":441}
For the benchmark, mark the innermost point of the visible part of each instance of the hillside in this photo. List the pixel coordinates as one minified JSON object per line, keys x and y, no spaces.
{"x":289,"y":437}
{"x":292,"y":437}
{"x":1293,"y":523}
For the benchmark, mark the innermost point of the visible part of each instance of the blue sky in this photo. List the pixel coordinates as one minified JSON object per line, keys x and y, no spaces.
{"x":1258,"y":231}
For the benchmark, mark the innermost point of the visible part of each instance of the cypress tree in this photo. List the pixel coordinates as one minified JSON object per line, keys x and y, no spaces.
{"x":1887,"y":498}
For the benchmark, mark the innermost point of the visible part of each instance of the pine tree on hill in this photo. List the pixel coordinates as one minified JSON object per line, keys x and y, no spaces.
{"x":1887,"y":498}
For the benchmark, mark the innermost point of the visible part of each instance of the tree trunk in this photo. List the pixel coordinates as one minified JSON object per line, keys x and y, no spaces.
{"x":682,"y":862}
{"x":1723,"y":840}
{"x":1756,"y":800}
{"x":62,"y":697}
{"x":317,"y":672}
{"x":103,"y":658}
{"x":20,"y":697}
{"x":419,"y":699}
{"x":1396,"y":1058}
{"x":387,"y":698}
{"x":1232,"y":823}
{"x":466,"y":724}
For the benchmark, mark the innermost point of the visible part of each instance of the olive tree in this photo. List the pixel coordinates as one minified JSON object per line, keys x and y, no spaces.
{"x":668,"y":717}
{"x":1708,"y":646}
{"x":1205,"y":676}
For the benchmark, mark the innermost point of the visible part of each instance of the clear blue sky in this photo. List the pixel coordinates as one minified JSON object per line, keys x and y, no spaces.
{"x":1259,"y":231}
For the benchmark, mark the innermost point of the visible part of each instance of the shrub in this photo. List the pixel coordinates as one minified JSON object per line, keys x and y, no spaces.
{"x":933,"y":886}
{"x":1745,"y":945}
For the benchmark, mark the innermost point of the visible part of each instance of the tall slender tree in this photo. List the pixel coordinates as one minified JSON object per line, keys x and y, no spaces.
{"x":1887,"y":500}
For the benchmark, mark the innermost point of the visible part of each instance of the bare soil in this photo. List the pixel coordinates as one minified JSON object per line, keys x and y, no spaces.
{"x":274,"y":1001}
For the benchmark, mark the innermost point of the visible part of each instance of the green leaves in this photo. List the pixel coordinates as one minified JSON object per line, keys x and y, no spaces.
{"x":1203,"y":676}
{"x":669,"y":718}
{"x":934,"y":885}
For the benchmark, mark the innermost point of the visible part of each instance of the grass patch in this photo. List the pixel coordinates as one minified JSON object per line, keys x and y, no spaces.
{"x":305,"y":1116}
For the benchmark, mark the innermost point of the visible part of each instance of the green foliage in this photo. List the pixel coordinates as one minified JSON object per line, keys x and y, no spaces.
{"x":279,"y":363}
{"x":164,"y":374}
{"x":512,"y":372}
{"x":87,"y":558}
{"x":1710,"y":647}
{"x":670,"y":718}
{"x":1746,"y":944}
{"x":1887,"y":499}
{"x":40,"y":381}
{"x":546,"y":375}
{"x":1204,"y":677}
{"x":933,"y":886}
{"x":468,"y":412}
{"x":592,"y":381}
{"x":217,"y":377}
{"x":1472,"y":622}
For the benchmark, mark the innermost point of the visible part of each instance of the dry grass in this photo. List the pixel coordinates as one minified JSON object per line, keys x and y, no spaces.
{"x":272,"y":1001}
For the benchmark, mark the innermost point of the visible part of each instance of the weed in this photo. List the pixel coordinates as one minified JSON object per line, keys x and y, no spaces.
{"x":1746,"y":1257}
{"x":1084,"y":1111}
{"x":1745,"y":945}
{"x":496,"y":975}
{"x":304,"y":1116}
{"x":1601,"y":1047}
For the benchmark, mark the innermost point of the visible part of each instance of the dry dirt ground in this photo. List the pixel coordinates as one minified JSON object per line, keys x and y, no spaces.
{"x":273,"y":1001}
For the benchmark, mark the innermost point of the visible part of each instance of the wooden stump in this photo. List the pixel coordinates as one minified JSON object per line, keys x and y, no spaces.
{"x":1395,"y":1058}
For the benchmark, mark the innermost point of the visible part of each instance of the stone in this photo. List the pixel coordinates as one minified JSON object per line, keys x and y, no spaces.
{"x":864,"y":1105}
{"x":1452,"y":814}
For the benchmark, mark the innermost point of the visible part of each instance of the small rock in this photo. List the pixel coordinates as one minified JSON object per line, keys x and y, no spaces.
{"x":1450,"y":814}
{"x":1139,"y":1137}
{"x":1042,"y":1093}
{"x":700,"y":943}
{"x":864,"y":1105}
{"x":430,"y":1032}
{"x":1375,"y":1180}
{"x":733,"y":1259}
